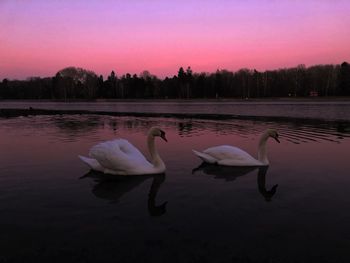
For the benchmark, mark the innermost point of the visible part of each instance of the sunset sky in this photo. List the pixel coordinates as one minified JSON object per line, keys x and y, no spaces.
{"x":40,"y":37}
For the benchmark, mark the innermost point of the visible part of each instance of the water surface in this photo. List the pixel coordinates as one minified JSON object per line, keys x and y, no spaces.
{"x":53,"y":209}
{"x":335,"y":109}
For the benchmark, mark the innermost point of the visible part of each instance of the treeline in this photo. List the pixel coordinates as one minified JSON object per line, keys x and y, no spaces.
{"x":77,"y":83}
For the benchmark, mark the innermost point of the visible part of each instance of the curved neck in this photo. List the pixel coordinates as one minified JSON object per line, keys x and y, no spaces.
{"x":262,"y":153}
{"x":155,"y":158}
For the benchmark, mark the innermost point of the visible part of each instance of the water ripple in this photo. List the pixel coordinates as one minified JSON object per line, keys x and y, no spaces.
{"x":70,"y":128}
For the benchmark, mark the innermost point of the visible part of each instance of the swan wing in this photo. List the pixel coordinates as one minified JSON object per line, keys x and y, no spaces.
{"x":227,"y":152}
{"x":205,"y":157}
{"x":92,"y":163}
{"x":120,"y":156}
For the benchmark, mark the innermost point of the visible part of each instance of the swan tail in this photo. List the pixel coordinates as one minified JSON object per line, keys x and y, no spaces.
{"x":92,"y":163}
{"x":205,"y":157}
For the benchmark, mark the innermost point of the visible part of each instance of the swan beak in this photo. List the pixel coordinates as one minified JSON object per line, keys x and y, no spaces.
{"x":163,"y":137}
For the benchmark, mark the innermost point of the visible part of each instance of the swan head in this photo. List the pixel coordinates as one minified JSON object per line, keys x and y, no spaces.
{"x":273,"y":134}
{"x":156,"y":131}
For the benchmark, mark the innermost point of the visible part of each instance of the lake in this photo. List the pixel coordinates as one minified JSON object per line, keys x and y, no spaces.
{"x":336,"y":109}
{"x":53,"y":209}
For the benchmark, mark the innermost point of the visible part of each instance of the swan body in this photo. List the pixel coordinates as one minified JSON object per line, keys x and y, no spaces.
{"x":120,"y":157}
{"x":234,"y":156}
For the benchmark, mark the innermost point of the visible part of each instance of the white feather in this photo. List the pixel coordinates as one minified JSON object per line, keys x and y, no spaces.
{"x":233,"y":156}
{"x":121,"y":157}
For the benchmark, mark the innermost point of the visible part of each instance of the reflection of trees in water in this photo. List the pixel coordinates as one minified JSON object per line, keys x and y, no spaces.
{"x":231,"y":173}
{"x":139,"y":124}
{"x":114,"y":187}
{"x":74,"y":125}
{"x":292,"y":130}
{"x":343,"y":127}
{"x":113,"y":124}
{"x":136,"y":124}
{"x":185,"y":128}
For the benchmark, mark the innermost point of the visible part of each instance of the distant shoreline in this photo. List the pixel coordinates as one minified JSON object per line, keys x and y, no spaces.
{"x":271,"y":99}
{"x":11,"y":113}
{"x":326,"y":109}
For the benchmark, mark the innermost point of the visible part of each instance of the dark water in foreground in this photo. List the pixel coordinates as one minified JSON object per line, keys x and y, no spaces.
{"x":53,"y":210}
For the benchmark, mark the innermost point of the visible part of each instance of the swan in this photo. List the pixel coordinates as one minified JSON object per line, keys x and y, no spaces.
{"x":233,"y":156}
{"x":119,"y":157}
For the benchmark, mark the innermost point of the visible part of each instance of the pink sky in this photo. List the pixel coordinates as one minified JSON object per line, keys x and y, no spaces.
{"x":40,"y":37}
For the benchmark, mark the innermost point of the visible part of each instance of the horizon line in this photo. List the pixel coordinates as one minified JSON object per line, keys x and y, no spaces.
{"x":171,"y":76}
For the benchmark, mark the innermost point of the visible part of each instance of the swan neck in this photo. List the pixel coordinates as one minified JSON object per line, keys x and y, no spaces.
{"x":262,"y":153}
{"x":155,"y":158}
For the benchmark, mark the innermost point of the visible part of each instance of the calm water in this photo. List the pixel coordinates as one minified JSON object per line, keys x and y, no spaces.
{"x":52,"y":209}
{"x":302,"y":108}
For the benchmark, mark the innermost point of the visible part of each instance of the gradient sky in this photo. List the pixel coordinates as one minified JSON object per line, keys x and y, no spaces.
{"x":40,"y":37}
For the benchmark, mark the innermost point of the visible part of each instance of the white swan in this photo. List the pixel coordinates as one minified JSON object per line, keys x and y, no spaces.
{"x":233,"y":156}
{"x":120,"y":157}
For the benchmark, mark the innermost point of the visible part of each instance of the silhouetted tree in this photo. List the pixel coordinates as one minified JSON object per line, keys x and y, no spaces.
{"x":78,"y":83}
{"x":111,"y":88}
{"x":58,"y":87}
{"x":72,"y":83}
{"x":344,"y":79}
{"x":100,"y":87}
{"x":4,"y":90}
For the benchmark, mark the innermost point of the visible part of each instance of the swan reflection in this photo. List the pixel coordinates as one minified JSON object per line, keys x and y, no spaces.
{"x":112,"y":188}
{"x":227,"y":173}
{"x":268,"y":194}
{"x":230,"y":173}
